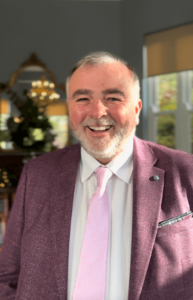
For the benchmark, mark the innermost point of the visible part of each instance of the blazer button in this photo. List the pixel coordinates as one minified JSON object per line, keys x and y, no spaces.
{"x":156,"y":177}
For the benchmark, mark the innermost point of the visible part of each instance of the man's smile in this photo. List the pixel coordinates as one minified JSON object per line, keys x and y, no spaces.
{"x":100,"y":128}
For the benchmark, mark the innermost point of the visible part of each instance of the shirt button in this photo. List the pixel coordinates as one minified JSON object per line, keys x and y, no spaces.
{"x":156,"y":177}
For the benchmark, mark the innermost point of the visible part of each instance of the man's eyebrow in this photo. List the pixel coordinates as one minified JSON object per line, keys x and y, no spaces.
{"x":113,"y":91}
{"x":81,"y":92}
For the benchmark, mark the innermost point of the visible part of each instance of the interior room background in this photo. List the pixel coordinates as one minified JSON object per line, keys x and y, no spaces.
{"x":60,"y":32}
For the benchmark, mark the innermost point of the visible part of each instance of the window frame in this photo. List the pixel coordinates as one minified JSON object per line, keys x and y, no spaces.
{"x":183,"y":113}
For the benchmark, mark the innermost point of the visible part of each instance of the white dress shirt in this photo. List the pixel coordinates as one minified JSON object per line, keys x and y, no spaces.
{"x":120,"y":191}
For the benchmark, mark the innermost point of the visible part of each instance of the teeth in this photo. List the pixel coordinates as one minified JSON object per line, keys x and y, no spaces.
{"x":100,"y":128}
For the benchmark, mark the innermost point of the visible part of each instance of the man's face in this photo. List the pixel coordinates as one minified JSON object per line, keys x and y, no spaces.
{"x":103,"y":109}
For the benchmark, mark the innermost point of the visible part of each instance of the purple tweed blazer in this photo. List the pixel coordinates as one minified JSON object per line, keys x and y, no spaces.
{"x":34,"y":257}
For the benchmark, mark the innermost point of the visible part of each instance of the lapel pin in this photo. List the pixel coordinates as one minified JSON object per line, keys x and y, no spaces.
{"x":156,"y":177}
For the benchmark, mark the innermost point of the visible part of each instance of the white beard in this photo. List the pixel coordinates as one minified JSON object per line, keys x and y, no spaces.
{"x":101,"y":148}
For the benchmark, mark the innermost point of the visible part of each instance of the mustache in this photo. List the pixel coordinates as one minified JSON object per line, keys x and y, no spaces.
{"x":98,"y":122}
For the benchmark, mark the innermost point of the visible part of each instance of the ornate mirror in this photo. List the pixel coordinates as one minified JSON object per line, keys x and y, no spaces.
{"x":39,"y":86}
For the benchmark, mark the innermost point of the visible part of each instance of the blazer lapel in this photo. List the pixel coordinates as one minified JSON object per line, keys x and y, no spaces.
{"x":61,"y":201}
{"x":147,"y":198}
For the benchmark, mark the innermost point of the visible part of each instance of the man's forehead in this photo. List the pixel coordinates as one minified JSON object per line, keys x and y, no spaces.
{"x":115,"y":66}
{"x":114,"y":72}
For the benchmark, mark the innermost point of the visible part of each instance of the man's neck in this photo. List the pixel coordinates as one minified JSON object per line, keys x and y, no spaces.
{"x":105,"y":161}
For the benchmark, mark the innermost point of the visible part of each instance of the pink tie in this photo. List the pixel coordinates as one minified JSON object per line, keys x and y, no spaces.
{"x":92,"y":271}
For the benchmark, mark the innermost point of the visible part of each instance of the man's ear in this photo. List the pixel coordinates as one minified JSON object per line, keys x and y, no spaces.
{"x":138,"y":108}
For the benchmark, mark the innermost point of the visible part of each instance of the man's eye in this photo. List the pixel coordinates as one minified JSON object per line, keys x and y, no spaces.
{"x":82,"y":99}
{"x":113,"y":99}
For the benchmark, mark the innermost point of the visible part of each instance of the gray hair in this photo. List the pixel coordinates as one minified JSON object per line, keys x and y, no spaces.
{"x":99,"y":58}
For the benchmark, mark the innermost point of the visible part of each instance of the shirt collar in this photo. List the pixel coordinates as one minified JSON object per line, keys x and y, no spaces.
{"x":121,"y":166}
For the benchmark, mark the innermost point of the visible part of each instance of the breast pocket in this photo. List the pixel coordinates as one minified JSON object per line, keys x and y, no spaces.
{"x":175,"y":225}
{"x":172,"y":258}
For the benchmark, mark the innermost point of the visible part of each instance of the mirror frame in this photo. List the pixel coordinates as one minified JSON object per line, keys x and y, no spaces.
{"x":33,"y":60}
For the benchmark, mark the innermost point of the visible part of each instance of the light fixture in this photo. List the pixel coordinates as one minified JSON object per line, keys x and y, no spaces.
{"x":43,"y":92}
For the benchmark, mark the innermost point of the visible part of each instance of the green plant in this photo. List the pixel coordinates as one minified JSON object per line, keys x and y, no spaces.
{"x":167,"y":101}
{"x":31,"y":130}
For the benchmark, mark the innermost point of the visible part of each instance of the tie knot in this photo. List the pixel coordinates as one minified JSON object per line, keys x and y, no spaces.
{"x":103,"y":175}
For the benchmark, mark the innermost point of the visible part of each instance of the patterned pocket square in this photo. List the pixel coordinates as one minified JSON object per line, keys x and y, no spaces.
{"x":173,"y":220}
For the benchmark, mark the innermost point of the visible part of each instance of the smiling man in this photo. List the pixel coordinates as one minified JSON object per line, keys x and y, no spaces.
{"x":104,"y":107}
{"x":109,"y":219}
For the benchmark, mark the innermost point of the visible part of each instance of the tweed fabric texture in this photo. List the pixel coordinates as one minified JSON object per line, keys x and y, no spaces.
{"x":34,"y":256}
{"x":92,"y":270}
{"x":159,"y":265}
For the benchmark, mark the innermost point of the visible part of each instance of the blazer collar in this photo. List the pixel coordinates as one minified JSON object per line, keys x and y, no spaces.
{"x":61,"y":195}
{"x":147,"y":198}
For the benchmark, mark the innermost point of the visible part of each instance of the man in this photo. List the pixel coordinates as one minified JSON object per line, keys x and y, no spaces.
{"x":149,"y":240}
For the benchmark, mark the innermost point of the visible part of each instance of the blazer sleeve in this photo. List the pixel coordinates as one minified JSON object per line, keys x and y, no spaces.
{"x":10,"y":256}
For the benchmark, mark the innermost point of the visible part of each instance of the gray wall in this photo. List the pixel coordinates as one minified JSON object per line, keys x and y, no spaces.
{"x":140,"y":17}
{"x":60,"y":32}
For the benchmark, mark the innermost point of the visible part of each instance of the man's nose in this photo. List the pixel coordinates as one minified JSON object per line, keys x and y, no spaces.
{"x":97,"y":109}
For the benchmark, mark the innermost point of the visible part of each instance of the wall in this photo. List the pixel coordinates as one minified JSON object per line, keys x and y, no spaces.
{"x":60,"y":32}
{"x":140,"y":17}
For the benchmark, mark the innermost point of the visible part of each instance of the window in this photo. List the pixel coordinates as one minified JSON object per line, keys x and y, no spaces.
{"x":168,"y":88}
{"x":170,"y":112}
